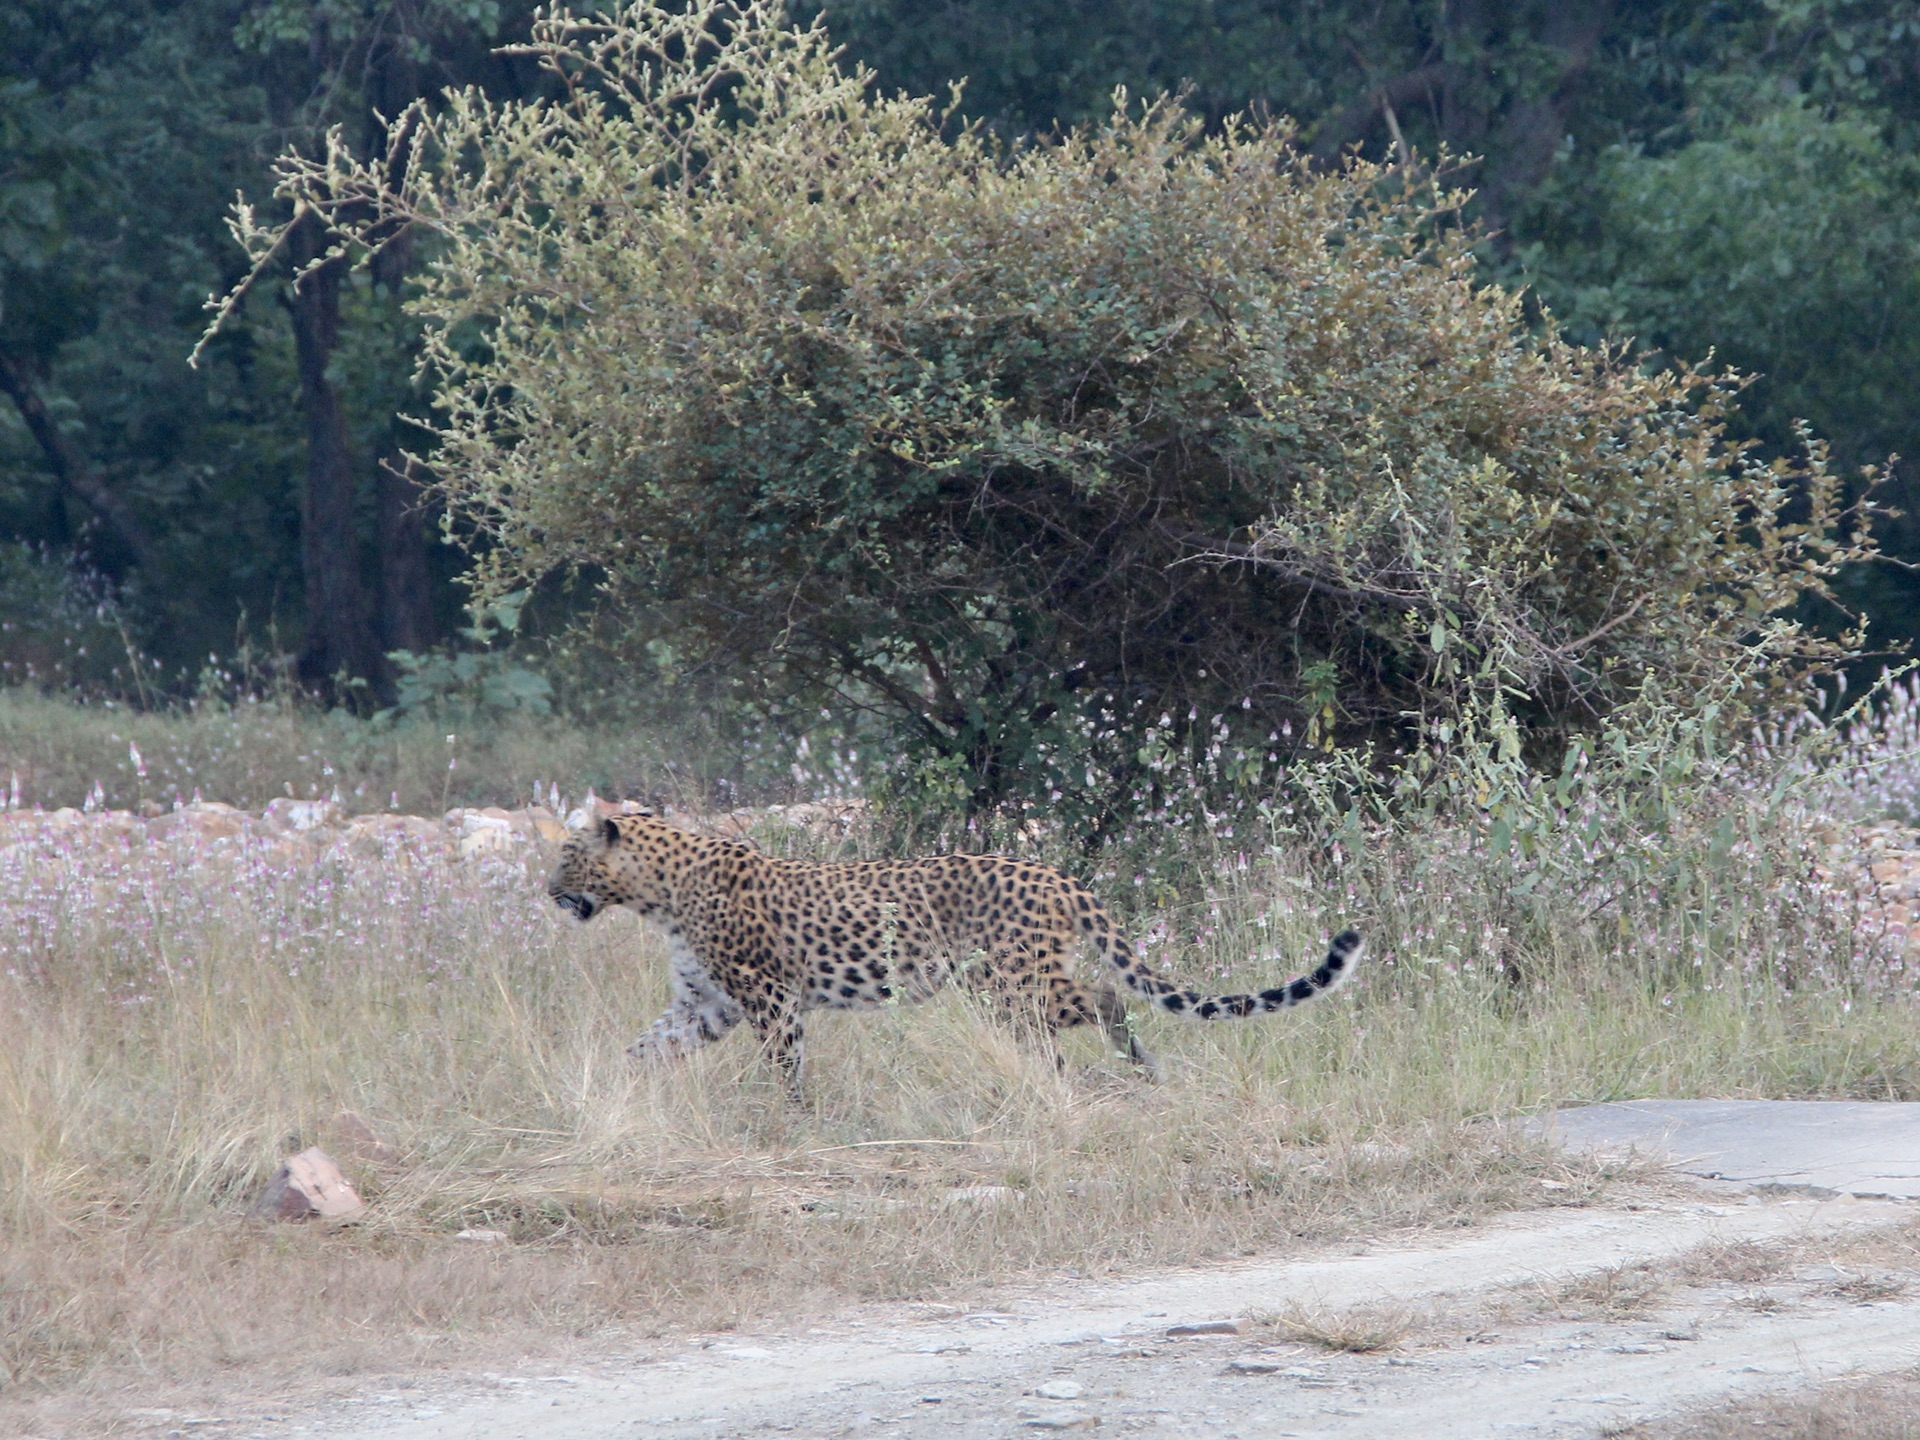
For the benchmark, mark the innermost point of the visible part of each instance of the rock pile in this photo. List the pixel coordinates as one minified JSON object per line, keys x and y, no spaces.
{"x":1875,"y":871}
{"x":300,"y":828}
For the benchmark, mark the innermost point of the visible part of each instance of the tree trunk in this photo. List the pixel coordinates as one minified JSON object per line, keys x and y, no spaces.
{"x":70,"y":474}
{"x":1518,"y":144}
{"x":340,"y":639}
{"x":406,"y":584}
{"x":1530,"y":135}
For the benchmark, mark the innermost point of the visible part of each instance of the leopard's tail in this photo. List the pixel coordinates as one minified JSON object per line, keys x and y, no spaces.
{"x":1343,"y":956}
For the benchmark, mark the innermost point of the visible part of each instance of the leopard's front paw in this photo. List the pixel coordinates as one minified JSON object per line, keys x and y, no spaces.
{"x":646,"y":1050}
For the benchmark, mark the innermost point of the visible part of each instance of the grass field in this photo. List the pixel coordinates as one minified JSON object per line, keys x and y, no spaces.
{"x":170,"y":1027}
{"x":250,"y":751}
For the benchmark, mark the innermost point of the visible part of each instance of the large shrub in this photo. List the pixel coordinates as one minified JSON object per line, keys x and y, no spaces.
{"x":1050,"y":456}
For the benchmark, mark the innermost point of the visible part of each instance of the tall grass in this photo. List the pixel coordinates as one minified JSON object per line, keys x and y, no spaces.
{"x":252,"y":749}
{"x":171,"y":1024}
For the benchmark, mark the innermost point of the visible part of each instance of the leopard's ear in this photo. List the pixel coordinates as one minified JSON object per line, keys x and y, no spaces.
{"x":610,"y":831}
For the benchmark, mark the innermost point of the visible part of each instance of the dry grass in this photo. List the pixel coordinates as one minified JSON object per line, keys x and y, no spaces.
{"x":1885,"y":1409}
{"x":1867,"y":1289}
{"x":55,"y":753}
{"x":1618,"y":1292}
{"x":168,"y":1030}
{"x":1734,"y":1262}
{"x":1361,"y":1330}
{"x":1862,"y":1267}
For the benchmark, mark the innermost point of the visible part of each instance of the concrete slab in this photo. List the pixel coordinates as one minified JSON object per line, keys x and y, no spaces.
{"x":1842,"y":1147}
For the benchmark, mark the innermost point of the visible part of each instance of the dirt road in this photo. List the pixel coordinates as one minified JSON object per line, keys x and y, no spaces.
{"x":1554,"y":1323}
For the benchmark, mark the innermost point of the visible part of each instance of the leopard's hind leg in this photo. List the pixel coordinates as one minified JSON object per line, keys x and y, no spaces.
{"x":1069,"y":1003}
{"x":1119,"y":1028}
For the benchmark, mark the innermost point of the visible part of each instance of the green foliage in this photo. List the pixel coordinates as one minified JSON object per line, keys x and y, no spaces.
{"x":350,"y":26}
{"x":1790,"y":243}
{"x":1691,"y":145}
{"x":1034,"y":453}
{"x":477,"y":682}
{"x":1034,"y":65}
{"x":1745,"y":182}
{"x":1667,"y":801}
{"x":134,"y":127}
{"x":125,"y":130}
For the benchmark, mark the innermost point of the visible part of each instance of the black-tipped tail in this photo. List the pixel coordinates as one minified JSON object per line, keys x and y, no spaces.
{"x":1343,"y":957}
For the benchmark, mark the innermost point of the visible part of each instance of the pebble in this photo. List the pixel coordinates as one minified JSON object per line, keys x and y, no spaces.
{"x":1058,"y":1390}
{"x":1203,"y":1327}
{"x":1066,"y":1420}
{"x":1253,"y":1365}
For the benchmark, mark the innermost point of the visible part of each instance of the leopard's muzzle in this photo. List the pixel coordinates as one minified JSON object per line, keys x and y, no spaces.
{"x":584,"y":906}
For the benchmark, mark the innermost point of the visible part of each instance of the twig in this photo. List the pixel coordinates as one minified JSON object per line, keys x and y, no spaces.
{"x":1568,"y":650}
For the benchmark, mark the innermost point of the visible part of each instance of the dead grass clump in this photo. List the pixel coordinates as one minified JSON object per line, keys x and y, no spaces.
{"x":1866,"y":1289}
{"x":1879,"y":1409}
{"x":1360,"y":1330}
{"x":1617,"y":1292}
{"x":1733,"y":1262}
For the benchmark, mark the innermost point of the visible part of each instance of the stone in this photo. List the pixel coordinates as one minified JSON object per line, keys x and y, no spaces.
{"x":486,"y":842}
{"x":547,"y":827}
{"x":1058,"y":1390}
{"x":1065,"y":1420}
{"x":482,"y":832}
{"x":1254,"y":1365}
{"x":199,"y":824}
{"x":375,"y":835}
{"x":122,"y":825}
{"x":480,"y":1236}
{"x":299,"y":816}
{"x":1203,"y":1327}
{"x":309,"y":1186}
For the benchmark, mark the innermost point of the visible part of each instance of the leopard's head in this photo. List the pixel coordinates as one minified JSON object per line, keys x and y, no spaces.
{"x":607,"y":862}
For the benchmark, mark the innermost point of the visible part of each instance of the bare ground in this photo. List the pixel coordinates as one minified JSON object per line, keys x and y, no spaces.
{"x":1569,"y":1322}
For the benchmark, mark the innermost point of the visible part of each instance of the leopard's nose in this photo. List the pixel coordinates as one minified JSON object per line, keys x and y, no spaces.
{"x":582,"y":906}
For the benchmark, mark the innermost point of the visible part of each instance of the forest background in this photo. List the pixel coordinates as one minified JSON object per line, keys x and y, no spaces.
{"x":1734,"y":180}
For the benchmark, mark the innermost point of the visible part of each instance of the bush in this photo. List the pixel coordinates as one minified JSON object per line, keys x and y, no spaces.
{"x":1055,"y":458}
{"x":62,"y":631}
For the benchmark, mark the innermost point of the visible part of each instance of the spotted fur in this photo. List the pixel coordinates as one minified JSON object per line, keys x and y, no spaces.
{"x":764,"y":940}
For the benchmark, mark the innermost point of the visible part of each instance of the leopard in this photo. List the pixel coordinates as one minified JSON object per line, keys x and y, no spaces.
{"x":765,"y":940}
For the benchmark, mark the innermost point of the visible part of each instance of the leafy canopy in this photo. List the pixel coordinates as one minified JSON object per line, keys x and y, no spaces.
{"x":1046,"y":454}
